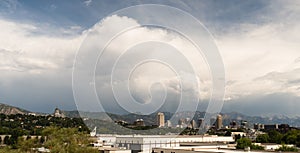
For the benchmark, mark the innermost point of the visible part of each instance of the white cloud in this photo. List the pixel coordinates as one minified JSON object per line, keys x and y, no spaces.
{"x":134,"y":46}
{"x":258,"y":52}
{"x":88,"y":2}
{"x":22,"y":50}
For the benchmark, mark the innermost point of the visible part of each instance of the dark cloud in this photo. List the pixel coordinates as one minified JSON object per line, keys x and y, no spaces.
{"x":38,"y":92}
{"x":276,"y":103}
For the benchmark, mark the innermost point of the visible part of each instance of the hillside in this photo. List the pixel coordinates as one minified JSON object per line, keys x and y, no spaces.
{"x":151,"y":119}
{"x":8,"y":110}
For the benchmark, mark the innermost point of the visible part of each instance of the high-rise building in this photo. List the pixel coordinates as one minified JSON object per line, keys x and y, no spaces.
{"x":200,"y":122}
{"x":169,"y":123}
{"x":219,"y":122}
{"x":160,"y":119}
{"x":194,"y":124}
{"x":181,"y":123}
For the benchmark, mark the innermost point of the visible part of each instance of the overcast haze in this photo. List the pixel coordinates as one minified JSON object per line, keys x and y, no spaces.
{"x":258,"y":41}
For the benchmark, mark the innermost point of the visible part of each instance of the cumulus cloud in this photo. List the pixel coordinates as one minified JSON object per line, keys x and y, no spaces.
{"x":260,"y":52}
{"x":22,"y":50}
{"x":173,"y":66}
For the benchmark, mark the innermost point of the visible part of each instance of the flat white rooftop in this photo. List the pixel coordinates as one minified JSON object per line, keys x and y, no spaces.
{"x":202,"y":149}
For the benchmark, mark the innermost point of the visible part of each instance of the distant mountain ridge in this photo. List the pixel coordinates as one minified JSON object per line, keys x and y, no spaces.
{"x":151,"y":119}
{"x":8,"y":110}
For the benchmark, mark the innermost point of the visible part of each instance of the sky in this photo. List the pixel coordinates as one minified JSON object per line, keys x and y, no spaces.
{"x":48,"y":57}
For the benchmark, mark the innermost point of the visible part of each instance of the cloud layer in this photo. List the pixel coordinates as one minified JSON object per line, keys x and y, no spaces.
{"x":259,"y":47}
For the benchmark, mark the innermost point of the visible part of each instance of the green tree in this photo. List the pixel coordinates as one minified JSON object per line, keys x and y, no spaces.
{"x":27,"y":145}
{"x":256,"y":147}
{"x":275,"y":137}
{"x":262,"y":138}
{"x":291,"y":137}
{"x":65,"y":140}
{"x":298,"y":140}
{"x":228,"y":133}
{"x":8,"y":150}
{"x":6,"y":140}
{"x":237,"y":137}
{"x":42,"y":140}
{"x":243,"y":143}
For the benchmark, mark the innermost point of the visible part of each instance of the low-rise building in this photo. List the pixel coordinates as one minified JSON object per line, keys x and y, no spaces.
{"x":201,"y":149}
{"x":138,"y":143}
{"x":113,"y":150}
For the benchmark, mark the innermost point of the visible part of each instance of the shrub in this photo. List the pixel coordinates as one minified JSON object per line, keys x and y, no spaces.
{"x":287,"y":148}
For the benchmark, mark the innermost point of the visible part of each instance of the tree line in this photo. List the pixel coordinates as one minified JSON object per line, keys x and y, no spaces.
{"x":57,"y":140}
{"x":273,"y":136}
{"x":18,"y":125}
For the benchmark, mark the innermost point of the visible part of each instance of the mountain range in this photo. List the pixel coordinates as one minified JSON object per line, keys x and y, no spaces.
{"x":8,"y":110}
{"x":151,"y":119}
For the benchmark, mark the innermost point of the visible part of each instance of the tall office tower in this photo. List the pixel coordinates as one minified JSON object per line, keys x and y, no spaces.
{"x":219,"y":123}
{"x":194,"y":124}
{"x":200,"y":122}
{"x":168,"y":123}
{"x":160,"y":119}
